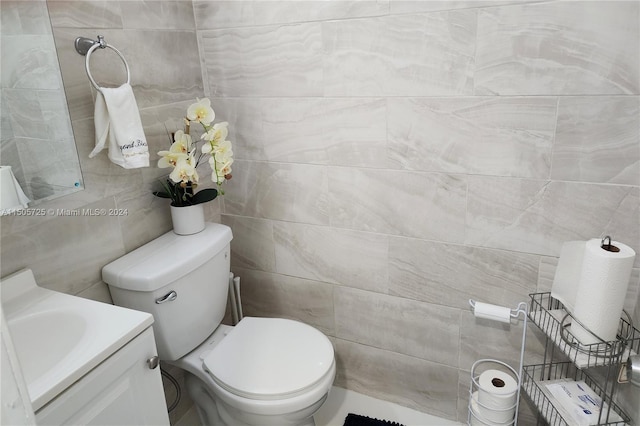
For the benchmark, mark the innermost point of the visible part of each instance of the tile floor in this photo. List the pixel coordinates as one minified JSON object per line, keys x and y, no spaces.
{"x":341,"y":402}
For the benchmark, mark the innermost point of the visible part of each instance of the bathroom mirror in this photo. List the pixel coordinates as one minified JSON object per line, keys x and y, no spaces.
{"x":36,"y":138}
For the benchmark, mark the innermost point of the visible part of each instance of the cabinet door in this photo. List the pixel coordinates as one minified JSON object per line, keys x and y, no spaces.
{"x":122,"y":390}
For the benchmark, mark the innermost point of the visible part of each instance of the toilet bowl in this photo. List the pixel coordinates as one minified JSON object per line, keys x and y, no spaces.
{"x":272,"y":398}
{"x":262,"y":372}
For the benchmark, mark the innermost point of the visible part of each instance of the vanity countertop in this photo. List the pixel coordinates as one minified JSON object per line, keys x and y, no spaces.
{"x":58,"y":338}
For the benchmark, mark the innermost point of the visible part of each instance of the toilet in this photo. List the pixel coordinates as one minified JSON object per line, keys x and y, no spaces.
{"x":263,"y":371}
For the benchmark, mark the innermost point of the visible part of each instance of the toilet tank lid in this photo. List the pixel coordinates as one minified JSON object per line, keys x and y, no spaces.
{"x":166,"y":259}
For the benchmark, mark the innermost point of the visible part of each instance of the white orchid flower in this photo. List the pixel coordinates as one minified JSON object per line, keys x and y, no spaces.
{"x":182,"y":142}
{"x":217,"y":133}
{"x":170,"y":159}
{"x":184,"y":171}
{"x":179,"y":150}
{"x":201,"y":112}
{"x":223,"y":151}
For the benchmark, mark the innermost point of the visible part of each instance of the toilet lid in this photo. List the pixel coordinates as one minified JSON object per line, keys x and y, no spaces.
{"x":270,"y":358}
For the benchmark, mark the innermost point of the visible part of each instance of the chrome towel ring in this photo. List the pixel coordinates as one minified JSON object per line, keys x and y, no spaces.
{"x":86,"y":46}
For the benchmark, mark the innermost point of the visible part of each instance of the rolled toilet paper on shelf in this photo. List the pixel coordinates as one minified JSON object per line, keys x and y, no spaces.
{"x":492,"y":312}
{"x":475,"y":417}
{"x":497,"y":396}
{"x":604,"y":280}
{"x":567,"y":276}
{"x":481,"y":416}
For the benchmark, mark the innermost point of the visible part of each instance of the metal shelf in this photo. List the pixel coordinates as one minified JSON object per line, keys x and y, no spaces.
{"x":553,"y":319}
{"x":535,"y":377}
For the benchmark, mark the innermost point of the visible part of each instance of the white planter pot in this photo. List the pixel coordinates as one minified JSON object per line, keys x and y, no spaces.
{"x":188,"y":220}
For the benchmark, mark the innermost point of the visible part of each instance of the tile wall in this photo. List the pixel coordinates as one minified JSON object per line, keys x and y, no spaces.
{"x":393,"y":159}
{"x":396,"y":158}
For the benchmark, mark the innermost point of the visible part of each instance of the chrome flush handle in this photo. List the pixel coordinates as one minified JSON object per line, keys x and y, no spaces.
{"x":169,"y":297}
{"x":153,"y":362}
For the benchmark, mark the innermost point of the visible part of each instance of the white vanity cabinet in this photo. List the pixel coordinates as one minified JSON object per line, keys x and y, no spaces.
{"x":122,"y":390}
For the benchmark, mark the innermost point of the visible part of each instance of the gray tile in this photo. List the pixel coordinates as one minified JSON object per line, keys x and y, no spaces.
{"x":160,"y":15}
{"x":263,"y":61}
{"x":538,"y":216}
{"x":430,"y":205}
{"x":291,"y":192}
{"x":403,"y":55}
{"x":417,"y":6}
{"x":489,"y":136}
{"x":65,"y":246}
{"x":349,"y":258}
{"x":272,"y":295}
{"x":546,"y":273}
{"x":85,"y":14}
{"x":559,"y":48}
{"x":396,"y":324}
{"x":336,"y":131}
{"x":598,"y":140}
{"x":231,"y":14}
{"x":450,"y":275}
{"x":252,"y":245}
{"x":411,"y":382}
{"x":142,"y":216}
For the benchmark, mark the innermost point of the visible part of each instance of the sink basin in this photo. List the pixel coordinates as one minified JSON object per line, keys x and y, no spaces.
{"x":58,"y":338}
{"x":41,"y":333}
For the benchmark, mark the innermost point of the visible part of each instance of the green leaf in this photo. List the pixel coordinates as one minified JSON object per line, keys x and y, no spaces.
{"x":204,"y":196}
{"x":161,"y":194}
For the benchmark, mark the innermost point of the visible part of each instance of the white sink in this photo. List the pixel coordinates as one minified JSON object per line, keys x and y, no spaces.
{"x":58,"y":338}
{"x":40,"y":333}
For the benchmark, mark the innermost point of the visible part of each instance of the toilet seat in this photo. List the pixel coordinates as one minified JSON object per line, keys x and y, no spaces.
{"x":270,"y":359}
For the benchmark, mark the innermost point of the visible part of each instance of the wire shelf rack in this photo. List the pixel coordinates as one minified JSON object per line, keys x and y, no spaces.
{"x":554,"y":320}
{"x":535,"y":377}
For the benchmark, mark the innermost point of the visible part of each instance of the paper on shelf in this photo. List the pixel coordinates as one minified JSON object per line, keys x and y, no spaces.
{"x":580,"y":403}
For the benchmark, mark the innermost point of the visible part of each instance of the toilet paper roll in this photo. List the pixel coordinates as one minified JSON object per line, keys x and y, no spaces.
{"x":483,"y":417}
{"x":497,"y":396}
{"x":474,"y":417}
{"x":567,"y":276}
{"x":492,"y":312}
{"x":602,"y":290}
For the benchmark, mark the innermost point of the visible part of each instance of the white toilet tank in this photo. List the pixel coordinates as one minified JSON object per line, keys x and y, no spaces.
{"x":182,"y":281}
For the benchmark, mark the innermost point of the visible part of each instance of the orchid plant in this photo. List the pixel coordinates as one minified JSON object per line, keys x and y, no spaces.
{"x":184,"y":157}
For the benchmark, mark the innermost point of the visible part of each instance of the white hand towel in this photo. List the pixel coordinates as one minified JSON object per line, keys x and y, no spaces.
{"x":117,"y":118}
